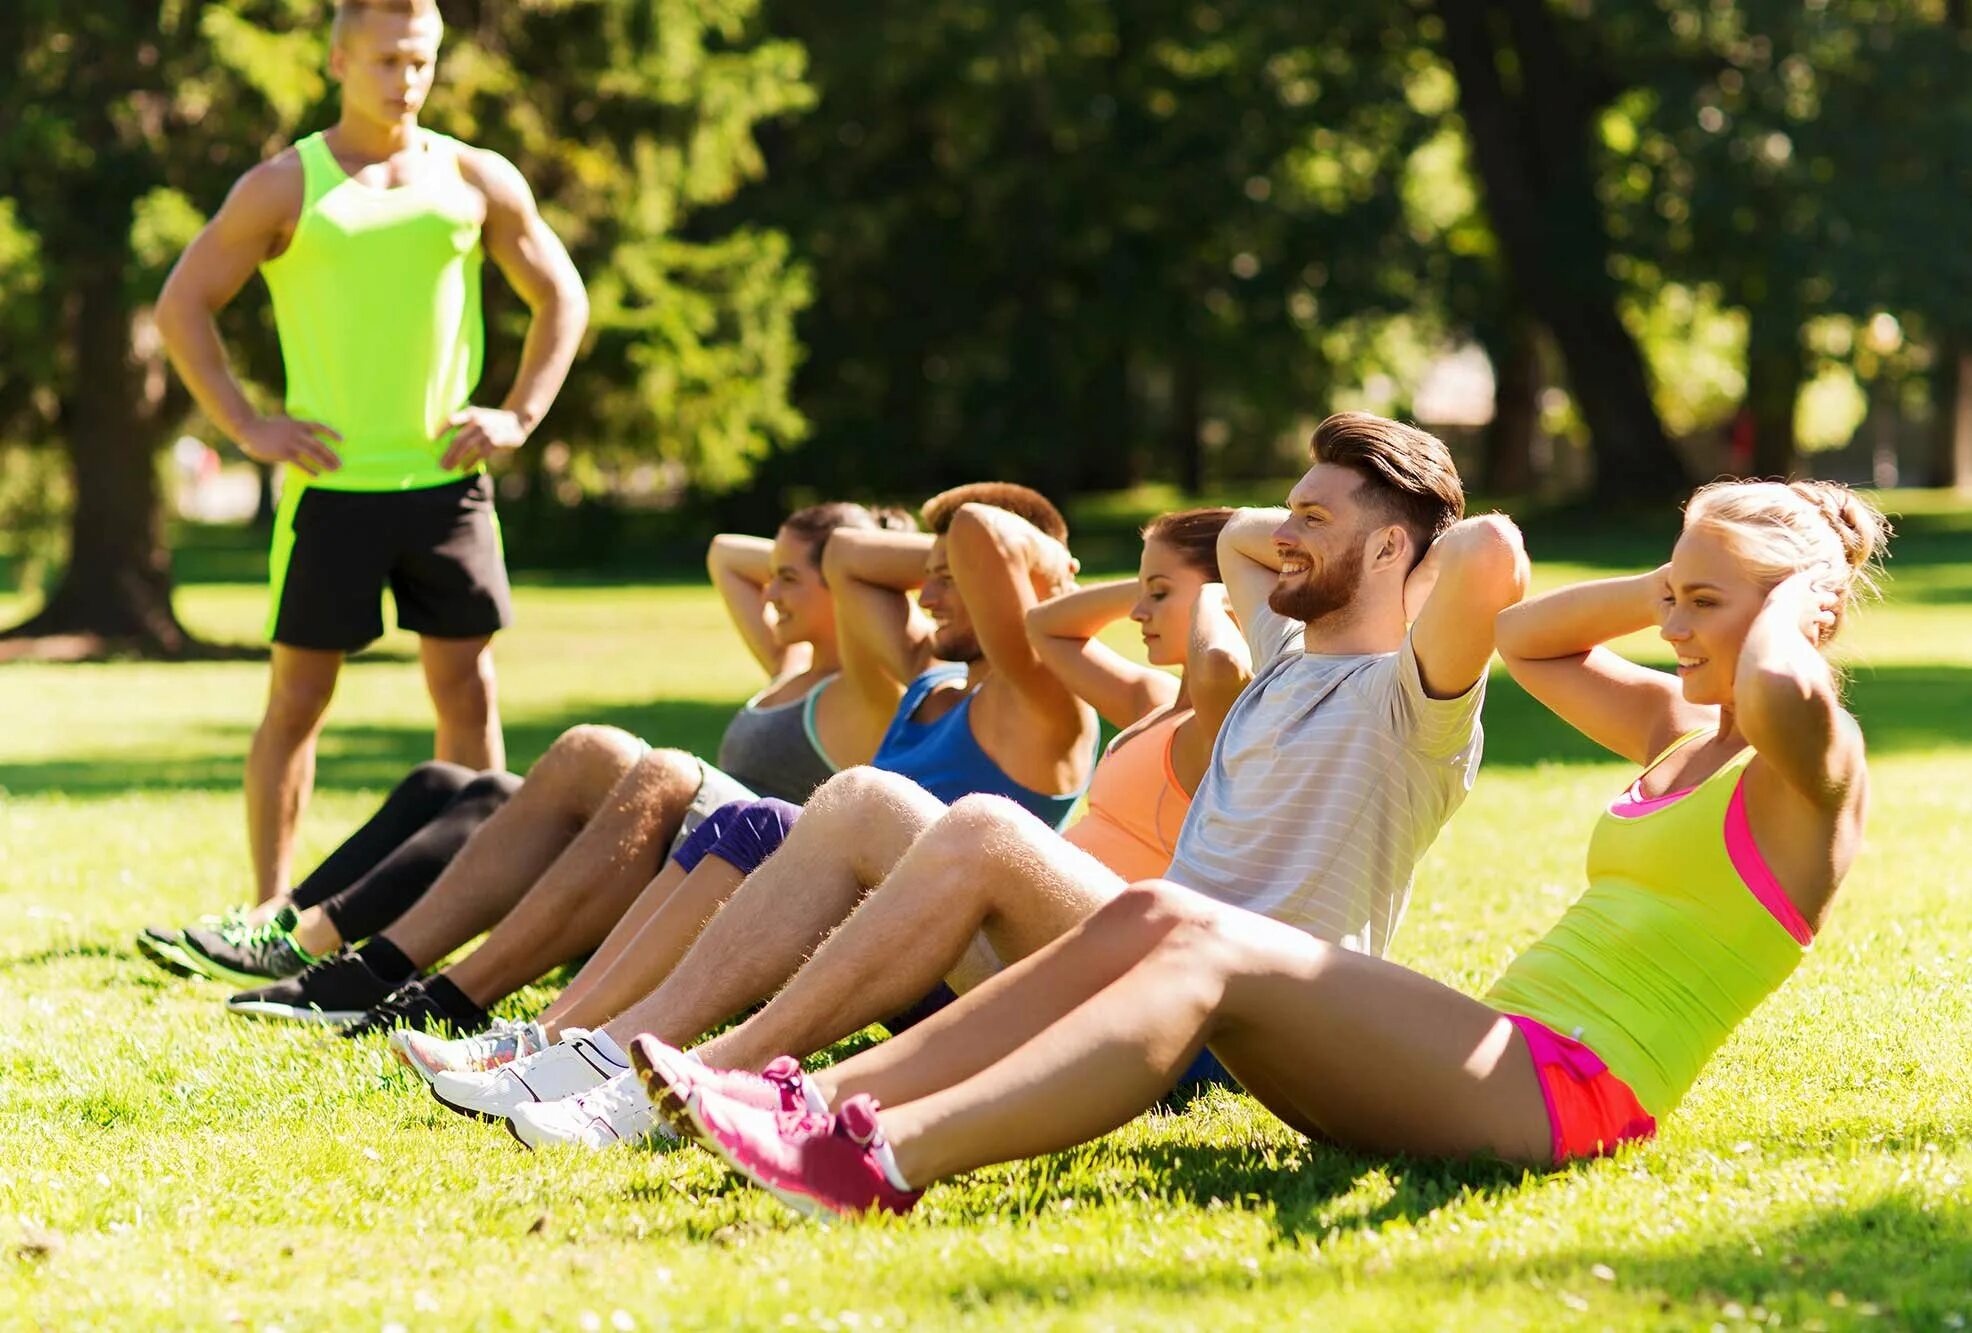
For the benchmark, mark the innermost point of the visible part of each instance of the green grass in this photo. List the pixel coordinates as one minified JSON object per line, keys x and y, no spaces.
{"x":164,"y":1165}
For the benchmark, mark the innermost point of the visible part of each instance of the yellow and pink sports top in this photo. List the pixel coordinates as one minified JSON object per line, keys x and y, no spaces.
{"x":1136,"y":804}
{"x":1682,"y":932}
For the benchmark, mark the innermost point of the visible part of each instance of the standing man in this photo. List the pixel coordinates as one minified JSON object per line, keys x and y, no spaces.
{"x":370,"y":236}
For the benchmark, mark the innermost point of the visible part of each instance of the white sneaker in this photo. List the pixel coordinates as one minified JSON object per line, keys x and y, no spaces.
{"x":576,"y":1063}
{"x":503,"y":1043}
{"x":615,"y":1113}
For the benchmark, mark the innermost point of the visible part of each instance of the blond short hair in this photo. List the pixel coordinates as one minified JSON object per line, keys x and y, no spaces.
{"x":347,"y":12}
{"x":1780,"y":528}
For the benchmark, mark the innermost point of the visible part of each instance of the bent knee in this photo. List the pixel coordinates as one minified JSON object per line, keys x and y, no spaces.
{"x":862,"y":788}
{"x":671,"y":770}
{"x":592,"y":745}
{"x":1171,"y":909}
{"x":436,"y":779}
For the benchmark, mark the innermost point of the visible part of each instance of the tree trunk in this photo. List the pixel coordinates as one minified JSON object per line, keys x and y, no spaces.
{"x":1774,"y":371}
{"x":1515,"y":351}
{"x":117,"y":587}
{"x":1531,"y":144}
{"x":1953,"y":391}
{"x":1187,"y":421}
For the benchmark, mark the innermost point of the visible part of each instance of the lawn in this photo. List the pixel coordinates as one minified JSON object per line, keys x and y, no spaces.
{"x":165,"y":1165}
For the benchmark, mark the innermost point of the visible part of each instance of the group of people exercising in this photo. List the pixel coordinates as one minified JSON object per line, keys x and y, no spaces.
{"x":888,"y":834}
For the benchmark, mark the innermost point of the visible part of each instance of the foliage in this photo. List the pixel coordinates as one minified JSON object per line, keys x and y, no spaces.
{"x":1080,"y":243}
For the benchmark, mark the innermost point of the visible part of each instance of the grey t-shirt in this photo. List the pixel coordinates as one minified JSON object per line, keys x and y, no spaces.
{"x":1331,"y":776}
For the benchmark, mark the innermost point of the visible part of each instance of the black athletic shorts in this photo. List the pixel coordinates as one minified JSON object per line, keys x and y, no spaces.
{"x":436,"y":548}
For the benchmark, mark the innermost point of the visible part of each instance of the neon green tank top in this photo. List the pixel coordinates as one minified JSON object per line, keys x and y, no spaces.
{"x":1669,"y":949}
{"x":378,"y":306}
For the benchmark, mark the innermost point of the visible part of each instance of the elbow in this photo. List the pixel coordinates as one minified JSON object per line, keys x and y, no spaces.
{"x":1219,"y":673}
{"x":1492,"y":560}
{"x":836,"y":552}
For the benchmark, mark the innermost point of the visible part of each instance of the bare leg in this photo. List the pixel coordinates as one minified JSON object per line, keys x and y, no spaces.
{"x":854,"y":828}
{"x":668,"y":929}
{"x":459,"y":675}
{"x":280,"y":767}
{"x":987,"y":865}
{"x":589,"y":886}
{"x":1371,"y":1054}
{"x":501,"y":861}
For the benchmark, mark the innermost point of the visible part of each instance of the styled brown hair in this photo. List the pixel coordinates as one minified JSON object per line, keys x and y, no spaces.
{"x":1408,"y":474}
{"x":814,"y":523}
{"x":1031,"y":505}
{"x":1193,"y":534}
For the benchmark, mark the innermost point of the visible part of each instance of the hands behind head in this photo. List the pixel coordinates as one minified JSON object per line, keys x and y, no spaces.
{"x":1810,"y":597}
{"x":1051,"y":565}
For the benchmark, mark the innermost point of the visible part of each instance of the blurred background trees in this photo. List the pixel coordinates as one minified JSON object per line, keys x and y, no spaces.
{"x":1605,"y":247}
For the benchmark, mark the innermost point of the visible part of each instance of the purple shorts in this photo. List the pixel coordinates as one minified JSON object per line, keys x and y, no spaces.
{"x":741,"y":833}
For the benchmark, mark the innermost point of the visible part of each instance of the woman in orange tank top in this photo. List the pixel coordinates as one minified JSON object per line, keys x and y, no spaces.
{"x":1166,"y":724}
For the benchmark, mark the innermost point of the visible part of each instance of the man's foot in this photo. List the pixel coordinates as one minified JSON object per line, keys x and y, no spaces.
{"x":822,"y":1166}
{"x":578,"y":1062}
{"x":165,"y":946}
{"x":267,"y":952}
{"x":500,"y":1044}
{"x":670,"y":1075}
{"x":428,"y":1004}
{"x":614,"y":1112}
{"x":339,"y":989}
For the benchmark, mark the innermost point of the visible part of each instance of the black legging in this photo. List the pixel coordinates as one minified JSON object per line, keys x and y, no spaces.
{"x":386,"y":865}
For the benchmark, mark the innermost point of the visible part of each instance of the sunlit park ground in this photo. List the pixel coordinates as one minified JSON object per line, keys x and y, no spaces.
{"x":163,"y":1164}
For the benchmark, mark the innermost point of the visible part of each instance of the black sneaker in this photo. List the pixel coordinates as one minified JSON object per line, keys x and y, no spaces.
{"x":339,"y":989}
{"x":268,"y":952}
{"x":415,"y":1005}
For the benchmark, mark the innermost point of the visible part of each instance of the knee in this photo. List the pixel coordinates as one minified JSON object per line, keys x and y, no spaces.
{"x":977,"y":827}
{"x":1170,"y":916}
{"x":295,"y":706}
{"x":670,"y":773}
{"x":589,"y":748}
{"x":494,"y":785}
{"x":857,"y":790}
{"x":464,"y":691}
{"x":437,"y":780}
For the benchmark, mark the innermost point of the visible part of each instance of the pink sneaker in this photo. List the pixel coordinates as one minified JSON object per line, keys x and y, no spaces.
{"x":670,"y":1075}
{"x":821,"y":1166}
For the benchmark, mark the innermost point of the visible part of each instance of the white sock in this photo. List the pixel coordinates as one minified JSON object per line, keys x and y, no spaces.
{"x":693,"y":1056}
{"x":814,"y":1098}
{"x":888,"y":1161}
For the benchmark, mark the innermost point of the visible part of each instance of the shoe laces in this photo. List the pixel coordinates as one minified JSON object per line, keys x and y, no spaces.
{"x":618,"y":1096}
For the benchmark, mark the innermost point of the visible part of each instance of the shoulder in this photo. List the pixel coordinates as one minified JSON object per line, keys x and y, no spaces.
{"x":276,"y":186}
{"x":492,"y":175}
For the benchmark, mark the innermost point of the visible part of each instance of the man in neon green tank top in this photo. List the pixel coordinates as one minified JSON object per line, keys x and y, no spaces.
{"x":370,"y":238}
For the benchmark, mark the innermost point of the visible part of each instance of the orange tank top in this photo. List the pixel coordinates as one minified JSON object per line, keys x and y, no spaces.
{"x":1136,"y":805}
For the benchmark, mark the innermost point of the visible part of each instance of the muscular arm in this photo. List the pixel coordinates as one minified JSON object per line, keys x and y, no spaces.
{"x":1475,"y":570}
{"x":884,"y":644}
{"x":251,"y":227}
{"x":535,"y":263}
{"x":1003,"y":566}
{"x":1553,"y":646}
{"x":1248,"y":562}
{"x":740,"y":568}
{"x":1063,"y":633}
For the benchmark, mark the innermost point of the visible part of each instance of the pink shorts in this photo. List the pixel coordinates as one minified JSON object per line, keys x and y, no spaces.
{"x":1589,"y":1110}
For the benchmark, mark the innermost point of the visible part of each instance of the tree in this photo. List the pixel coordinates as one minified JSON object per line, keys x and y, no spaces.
{"x":1059,"y":241}
{"x":1532,"y":82}
{"x":120,"y":121}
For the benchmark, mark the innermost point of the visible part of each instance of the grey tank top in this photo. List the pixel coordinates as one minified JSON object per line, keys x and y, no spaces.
{"x":774,"y":750}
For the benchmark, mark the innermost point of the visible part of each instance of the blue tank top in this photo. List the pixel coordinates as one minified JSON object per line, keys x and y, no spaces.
{"x":944,"y":759}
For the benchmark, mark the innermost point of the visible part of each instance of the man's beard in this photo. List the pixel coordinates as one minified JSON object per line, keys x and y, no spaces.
{"x":1323,"y":590}
{"x":951,"y":643}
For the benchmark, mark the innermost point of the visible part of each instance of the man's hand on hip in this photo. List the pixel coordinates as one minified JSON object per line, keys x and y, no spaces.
{"x":284,"y":439}
{"x":482,"y":432}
